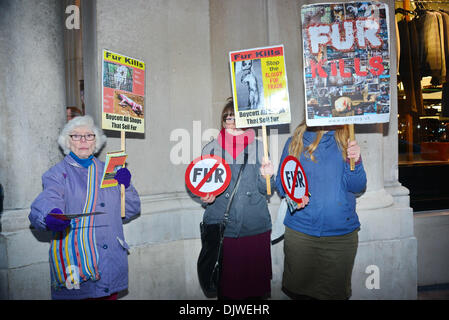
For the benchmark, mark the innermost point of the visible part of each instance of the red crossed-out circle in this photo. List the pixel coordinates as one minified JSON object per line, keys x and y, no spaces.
{"x":196,"y":189}
{"x":298,"y":167}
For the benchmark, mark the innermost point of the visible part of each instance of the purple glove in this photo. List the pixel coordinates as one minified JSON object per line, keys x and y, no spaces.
{"x":123,"y":176}
{"x":54,"y":223}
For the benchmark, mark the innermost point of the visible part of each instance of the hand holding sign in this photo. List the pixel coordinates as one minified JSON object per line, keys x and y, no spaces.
{"x":293,"y":205}
{"x":209,"y":198}
{"x":353,"y":152}
{"x":208,"y":175}
{"x":267,"y":169}
{"x":351,"y":138}
{"x":294,"y":181}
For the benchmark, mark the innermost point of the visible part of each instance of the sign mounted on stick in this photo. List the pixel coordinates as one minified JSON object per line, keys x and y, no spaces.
{"x":294,"y":179}
{"x":259,"y":89}
{"x":123,"y":88}
{"x":346,"y":63}
{"x":123,"y":99}
{"x":208,"y":174}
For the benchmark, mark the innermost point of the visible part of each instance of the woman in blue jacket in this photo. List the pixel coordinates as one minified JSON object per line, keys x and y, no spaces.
{"x":321,"y":236}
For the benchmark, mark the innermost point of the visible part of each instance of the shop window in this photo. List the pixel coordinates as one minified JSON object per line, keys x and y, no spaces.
{"x":423,"y":102}
{"x":423,"y":136}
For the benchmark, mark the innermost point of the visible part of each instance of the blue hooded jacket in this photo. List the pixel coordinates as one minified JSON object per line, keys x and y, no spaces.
{"x":332,"y":187}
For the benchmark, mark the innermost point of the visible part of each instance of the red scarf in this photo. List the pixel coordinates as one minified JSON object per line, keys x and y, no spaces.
{"x":234,"y":145}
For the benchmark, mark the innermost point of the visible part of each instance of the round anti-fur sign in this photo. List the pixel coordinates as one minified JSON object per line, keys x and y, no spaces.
{"x":208,"y":174}
{"x":294,"y":179}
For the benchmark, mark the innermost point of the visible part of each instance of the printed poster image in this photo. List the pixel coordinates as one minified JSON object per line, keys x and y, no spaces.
{"x":114,"y":161}
{"x":259,"y":86}
{"x":123,"y":93}
{"x":346,"y":63}
{"x":249,"y":86}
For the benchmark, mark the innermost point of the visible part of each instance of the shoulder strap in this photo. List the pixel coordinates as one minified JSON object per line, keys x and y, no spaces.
{"x":237,"y":183}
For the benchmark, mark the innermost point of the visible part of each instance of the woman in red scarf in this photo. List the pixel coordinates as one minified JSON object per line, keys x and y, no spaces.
{"x":246,"y":267}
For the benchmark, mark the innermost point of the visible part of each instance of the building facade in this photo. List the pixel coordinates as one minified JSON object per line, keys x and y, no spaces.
{"x":185,"y":45}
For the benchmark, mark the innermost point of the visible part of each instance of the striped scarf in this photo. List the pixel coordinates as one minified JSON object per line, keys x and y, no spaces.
{"x":73,"y":253}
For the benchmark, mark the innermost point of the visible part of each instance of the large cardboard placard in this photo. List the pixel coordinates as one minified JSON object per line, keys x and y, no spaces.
{"x":346,"y":63}
{"x":259,"y":87}
{"x":123,"y":87}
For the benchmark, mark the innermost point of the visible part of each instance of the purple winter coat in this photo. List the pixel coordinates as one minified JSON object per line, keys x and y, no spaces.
{"x":65,"y":188}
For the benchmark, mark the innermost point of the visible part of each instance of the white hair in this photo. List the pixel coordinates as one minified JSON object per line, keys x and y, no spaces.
{"x":81,"y":121}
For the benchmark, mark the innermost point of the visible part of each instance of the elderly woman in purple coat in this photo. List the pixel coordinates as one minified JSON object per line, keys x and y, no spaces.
{"x":88,"y":254}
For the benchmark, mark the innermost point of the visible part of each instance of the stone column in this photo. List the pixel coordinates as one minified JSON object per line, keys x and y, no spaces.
{"x":73,"y":54}
{"x":32,"y":104}
{"x":370,"y":140}
{"x":32,"y":95}
{"x":386,"y":262}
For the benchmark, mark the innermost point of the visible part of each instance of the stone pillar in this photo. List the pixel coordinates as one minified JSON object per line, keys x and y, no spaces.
{"x":32,"y":95}
{"x":32,"y":103}
{"x":73,"y":55}
{"x":370,"y":140}
{"x":386,"y":261}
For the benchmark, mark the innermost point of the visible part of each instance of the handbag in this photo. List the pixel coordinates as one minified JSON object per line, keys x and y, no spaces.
{"x":211,"y":254}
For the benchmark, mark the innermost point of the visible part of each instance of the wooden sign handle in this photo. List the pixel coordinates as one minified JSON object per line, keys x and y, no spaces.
{"x":122,"y":187}
{"x":265,"y":155}
{"x":351,"y":138}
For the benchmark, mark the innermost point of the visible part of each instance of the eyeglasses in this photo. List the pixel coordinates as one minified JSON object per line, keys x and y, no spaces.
{"x":228,"y":117}
{"x":87,"y":137}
